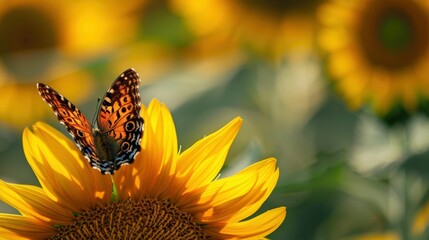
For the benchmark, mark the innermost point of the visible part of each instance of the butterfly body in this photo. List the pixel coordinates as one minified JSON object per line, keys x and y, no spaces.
{"x":116,"y":139}
{"x":106,"y":147}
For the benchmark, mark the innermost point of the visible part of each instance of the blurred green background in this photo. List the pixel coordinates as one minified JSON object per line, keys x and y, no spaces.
{"x":336,"y":90}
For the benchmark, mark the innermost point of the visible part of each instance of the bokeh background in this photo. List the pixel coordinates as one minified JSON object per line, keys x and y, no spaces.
{"x":336,"y":90}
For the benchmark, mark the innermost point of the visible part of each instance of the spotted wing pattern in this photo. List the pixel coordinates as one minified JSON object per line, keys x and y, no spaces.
{"x":119,"y":116}
{"x":69,"y":115}
{"x":117,"y":141}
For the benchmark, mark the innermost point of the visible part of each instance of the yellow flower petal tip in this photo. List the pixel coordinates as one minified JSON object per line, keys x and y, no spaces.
{"x":162,"y":187}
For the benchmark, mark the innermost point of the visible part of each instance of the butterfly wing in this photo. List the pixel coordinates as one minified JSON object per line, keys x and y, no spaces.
{"x":69,"y":115}
{"x":119,"y":116}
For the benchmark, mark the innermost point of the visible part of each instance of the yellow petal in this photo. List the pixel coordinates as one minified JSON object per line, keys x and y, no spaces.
{"x":204,"y":203}
{"x":6,"y":235}
{"x":16,"y":227}
{"x":382,"y":92}
{"x":354,"y":88}
{"x":406,"y":89}
{"x":32,"y":201}
{"x":234,"y":198}
{"x":254,"y":228}
{"x":329,"y":13}
{"x":344,"y":62}
{"x":162,"y":123}
{"x":268,"y":175}
{"x":333,"y":39}
{"x":127,"y":179}
{"x":62,"y":171}
{"x":155,"y":165}
{"x":201,"y":163}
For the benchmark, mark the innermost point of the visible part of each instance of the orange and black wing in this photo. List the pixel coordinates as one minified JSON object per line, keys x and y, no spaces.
{"x":76,"y":123}
{"x":119,"y":116}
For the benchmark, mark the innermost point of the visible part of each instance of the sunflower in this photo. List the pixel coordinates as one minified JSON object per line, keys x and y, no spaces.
{"x":163,"y":194}
{"x":270,"y":28}
{"x":38,"y":42}
{"x":377,"y":52}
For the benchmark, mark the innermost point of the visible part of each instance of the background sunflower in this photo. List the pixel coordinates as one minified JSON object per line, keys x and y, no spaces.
{"x":316,"y":82}
{"x":50,"y":41}
{"x":378,"y":52}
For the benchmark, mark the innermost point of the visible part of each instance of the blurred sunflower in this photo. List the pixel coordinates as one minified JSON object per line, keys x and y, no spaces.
{"x":38,"y":41}
{"x":164,"y":194}
{"x":268,"y":27}
{"x":377,"y":51}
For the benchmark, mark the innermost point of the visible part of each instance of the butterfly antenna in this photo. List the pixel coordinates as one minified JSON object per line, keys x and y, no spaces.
{"x":94,"y":118}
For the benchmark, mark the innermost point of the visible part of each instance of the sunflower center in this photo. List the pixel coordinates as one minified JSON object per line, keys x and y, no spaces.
{"x":146,"y":219}
{"x":394,"y":33}
{"x":24,"y":29}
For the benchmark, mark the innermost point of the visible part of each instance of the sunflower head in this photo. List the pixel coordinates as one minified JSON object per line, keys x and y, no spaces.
{"x":377,"y":53}
{"x":34,"y":38}
{"x":164,"y":194}
{"x":394,"y":34}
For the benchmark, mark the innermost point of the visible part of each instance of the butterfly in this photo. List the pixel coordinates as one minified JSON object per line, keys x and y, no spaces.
{"x":116,"y":138}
